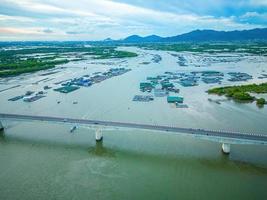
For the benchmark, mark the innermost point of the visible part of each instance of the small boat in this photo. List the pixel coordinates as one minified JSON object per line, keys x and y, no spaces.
{"x":73,"y":129}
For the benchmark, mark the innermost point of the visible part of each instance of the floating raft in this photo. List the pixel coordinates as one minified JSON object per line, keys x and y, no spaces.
{"x":143,"y":98}
{"x":175,"y":99}
{"x":16,"y":98}
{"x":67,"y":89}
{"x":33,"y":98}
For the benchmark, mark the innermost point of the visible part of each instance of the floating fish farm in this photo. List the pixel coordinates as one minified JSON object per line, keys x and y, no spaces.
{"x":71,"y":85}
{"x":143,"y":98}
{"x":162,"y":85}
{"x":88,"y":80}
{"x":67,"y":89}
{"x":29,"y":96}
{"x":239,"y":76}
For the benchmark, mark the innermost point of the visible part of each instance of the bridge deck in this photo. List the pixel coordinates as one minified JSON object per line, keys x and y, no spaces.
{"x":257,"y":138}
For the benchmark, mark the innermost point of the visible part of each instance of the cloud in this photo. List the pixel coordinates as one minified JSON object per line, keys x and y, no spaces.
{"x":253,"y":15}
{"x":94,"y":19}
{"x":7,"y":18}
{"x":25,"y":31}
{"x":258,"y":2}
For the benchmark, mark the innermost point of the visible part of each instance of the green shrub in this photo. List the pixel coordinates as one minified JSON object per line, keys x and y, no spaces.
{"x":261,"y":101}
{"x":242,"y":96}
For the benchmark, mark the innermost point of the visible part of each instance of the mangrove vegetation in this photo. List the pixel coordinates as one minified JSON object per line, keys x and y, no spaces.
{"x":242,"y":93}
{"x":17,"y":61}
{"x":259,"y":48}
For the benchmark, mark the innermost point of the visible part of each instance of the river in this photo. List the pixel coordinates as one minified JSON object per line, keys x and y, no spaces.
{"x":41,"y":160}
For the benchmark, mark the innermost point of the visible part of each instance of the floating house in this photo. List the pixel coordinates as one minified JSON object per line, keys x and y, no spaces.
{"x":67,"y":89}
{"x":153,"y":78}
{"x":209,"y":80}
{"x":239,"y":76}
{"x":166,"y":85}
{"x":83,"y":82}
{"x":32,"y":98}
{"x":188,"y":83}
{"x":211,"y":73}
{"x":143,"y":98}
{"x":146,"y":86}
{"x":175,"y":99}
{"x":16,"y":98}
{"x":98,"y":78}
{"x":175,"y":90}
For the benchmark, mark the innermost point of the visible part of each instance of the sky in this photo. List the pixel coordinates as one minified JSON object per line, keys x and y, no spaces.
{"x":45,"y":20}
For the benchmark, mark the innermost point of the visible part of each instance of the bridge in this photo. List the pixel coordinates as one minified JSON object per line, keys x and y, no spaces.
{"x":224,"y":137}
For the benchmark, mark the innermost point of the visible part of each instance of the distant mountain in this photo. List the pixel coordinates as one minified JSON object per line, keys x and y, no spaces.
{"x":211,"y":35}
{"x":133,"y":38}
{"x":202,"y":36}
{"x":137,"y":38}
{"x":108,"y":40}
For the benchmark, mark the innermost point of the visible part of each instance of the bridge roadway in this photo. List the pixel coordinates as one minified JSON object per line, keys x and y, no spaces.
{"x":256,"y":138}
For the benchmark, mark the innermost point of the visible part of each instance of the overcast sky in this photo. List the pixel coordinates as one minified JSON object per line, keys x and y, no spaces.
{"x":100,"y":19}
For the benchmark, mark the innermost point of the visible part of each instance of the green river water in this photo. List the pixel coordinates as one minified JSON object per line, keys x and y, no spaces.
{"x":40,"y":160}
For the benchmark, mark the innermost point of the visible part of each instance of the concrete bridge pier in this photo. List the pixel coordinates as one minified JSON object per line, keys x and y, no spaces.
{"x":226,"y":148}
{"x":98,"y":135}
{"x":1,"y":126}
